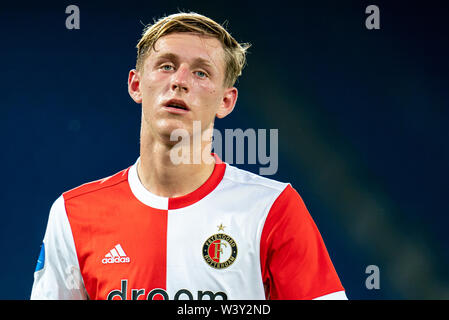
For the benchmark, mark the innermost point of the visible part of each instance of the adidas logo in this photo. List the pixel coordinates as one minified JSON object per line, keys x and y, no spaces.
{"x":116,"y":255}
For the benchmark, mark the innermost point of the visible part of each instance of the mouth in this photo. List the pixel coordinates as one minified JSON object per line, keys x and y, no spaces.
{"x":176,"y":106}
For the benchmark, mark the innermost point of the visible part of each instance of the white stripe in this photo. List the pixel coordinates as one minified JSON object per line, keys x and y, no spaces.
{"x":340,"y":295}
{"x":243,"y":279}
{"x":108,"y":255}
{"x":120,"y":250}
{"x":114,"y":253}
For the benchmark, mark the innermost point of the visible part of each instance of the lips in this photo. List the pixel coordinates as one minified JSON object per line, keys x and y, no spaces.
{"x":176,"y":104}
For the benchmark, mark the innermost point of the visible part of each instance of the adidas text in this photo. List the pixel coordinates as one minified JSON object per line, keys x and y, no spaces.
{"x":116,"y":260}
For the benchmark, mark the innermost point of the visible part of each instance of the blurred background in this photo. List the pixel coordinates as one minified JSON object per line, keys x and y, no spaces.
{"x":362,"y":117}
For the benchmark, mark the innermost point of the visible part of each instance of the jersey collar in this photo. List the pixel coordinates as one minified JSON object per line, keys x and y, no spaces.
{"x":164,"y":203}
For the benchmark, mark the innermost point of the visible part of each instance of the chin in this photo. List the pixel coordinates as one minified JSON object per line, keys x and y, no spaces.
{"x":166,"y":129}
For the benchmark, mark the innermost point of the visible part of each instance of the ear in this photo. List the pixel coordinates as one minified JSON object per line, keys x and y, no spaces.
{"x":228,"y":103}
{"x":134,"y":86}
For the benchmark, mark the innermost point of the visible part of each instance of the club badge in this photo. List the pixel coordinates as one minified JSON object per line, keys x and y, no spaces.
{"x":220,"y":250}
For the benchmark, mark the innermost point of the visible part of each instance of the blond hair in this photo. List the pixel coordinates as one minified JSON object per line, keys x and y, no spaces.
{"x":234,"y":52}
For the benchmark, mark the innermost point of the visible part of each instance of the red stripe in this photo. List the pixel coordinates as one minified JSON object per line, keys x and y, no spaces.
{"x":101,"y":218}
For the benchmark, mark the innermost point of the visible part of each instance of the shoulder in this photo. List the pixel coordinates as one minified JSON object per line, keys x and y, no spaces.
{"x":242,"y":177}
{"x":101,"y":185}
{"x":277,"y":195}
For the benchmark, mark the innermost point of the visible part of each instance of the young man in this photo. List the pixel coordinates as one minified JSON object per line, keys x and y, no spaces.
{"x":164,"y":229}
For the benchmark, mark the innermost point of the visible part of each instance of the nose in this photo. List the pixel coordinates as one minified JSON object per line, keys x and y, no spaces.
{"x":180,"y":79}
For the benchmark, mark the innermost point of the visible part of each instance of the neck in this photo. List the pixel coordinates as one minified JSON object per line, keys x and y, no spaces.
{"x":161,"y":171}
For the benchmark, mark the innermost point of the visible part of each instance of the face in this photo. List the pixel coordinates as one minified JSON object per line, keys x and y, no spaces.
{"x":182,"y":81}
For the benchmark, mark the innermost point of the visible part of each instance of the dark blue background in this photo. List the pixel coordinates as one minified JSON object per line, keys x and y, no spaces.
{"x":362,"y":118}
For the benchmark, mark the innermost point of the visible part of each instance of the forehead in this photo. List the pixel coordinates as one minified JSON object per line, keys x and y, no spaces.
{"x":190,"y":46}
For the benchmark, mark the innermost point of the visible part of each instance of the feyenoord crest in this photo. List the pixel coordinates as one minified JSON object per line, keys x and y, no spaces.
{"x":220,"y":250}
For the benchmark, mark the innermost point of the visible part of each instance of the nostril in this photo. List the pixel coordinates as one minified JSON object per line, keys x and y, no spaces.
{"x":180,"y":87}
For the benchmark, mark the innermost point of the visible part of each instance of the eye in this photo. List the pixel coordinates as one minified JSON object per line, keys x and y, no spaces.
{"x":201,"y":74}
{"x":167,"y":67}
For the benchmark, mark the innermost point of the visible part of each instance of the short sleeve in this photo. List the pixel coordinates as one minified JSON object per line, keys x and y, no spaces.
{"x":57,"y":275}
{"x":294,"y":260}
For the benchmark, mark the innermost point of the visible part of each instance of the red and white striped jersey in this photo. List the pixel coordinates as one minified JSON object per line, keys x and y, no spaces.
{"x":238,"y":236}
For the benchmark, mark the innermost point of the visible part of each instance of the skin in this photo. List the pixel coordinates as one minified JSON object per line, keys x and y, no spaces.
{"x":189,"y":67}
